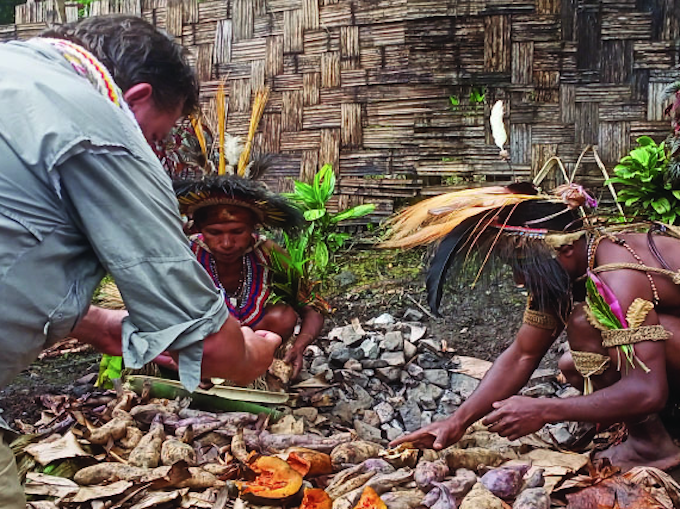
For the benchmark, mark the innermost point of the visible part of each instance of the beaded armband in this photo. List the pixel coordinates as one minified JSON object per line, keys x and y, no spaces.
{"x":539,"y":319}
{"x":589,"y":364}
{"x":619,"y":337}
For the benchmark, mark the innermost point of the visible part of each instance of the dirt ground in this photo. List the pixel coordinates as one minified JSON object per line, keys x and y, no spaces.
{"x":478,"y":323}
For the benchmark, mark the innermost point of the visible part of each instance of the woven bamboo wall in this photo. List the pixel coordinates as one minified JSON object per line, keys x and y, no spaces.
{"x":366,"y":84}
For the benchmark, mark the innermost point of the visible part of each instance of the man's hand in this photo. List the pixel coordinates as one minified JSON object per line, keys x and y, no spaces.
{"x":295,"y":359}
{"x":437,"y":435}
{"x":102,"y":328}
{"x":516,"y":417}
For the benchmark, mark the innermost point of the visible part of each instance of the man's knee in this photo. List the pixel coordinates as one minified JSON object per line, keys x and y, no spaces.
{"x":279,"y":318}
{"x":11,"y":491}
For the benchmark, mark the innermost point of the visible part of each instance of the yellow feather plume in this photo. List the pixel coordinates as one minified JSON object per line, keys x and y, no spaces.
{"x":432,"y":219}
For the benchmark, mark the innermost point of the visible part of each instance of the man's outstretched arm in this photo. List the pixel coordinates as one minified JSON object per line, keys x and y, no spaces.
{"x":507,"y":376}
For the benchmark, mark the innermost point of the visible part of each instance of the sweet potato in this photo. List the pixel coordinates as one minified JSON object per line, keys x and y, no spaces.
{"x":505,"y":482}
{"x":410,"y":499}
{"x":109,"y":472}
{"x":173,"y":451}
{"x":132,"y":437}
{"x":403,"y":455}
{"x":439,"y":497}
{"x":380,"y":483}
{"x":428,"y":472}
{"x":200,"y":479}
{"x":532,"y":498}
{"x":481,"y":498}
{"x":461,"y":484}
{"x":147,"y":413}
{"x":471,"y":458}
{"x":115,"y":429}
{"x":147,"y":454}
{"x":353,"y":453}
{"x":268,"y":442}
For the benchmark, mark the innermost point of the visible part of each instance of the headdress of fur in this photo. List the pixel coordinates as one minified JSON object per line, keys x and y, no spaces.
{"x":515,"y":225}
{"x":269,"y":208}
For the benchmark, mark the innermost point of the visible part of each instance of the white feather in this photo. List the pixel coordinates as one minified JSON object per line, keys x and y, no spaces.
{"x":232,"y":149}
{"x":497,"y":125}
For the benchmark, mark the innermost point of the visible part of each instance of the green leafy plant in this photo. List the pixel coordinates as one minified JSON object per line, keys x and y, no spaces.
{"x":305,"y":264}
{"x":477,"y":95}
{"x":110,"y":368}
{"x":646,"y":190}
{"x":455,"y":102}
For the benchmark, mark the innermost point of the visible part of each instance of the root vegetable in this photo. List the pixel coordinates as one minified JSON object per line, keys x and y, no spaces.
{"x":173,"y":451}
{"x":461,"y":484}
{"x":381,"y":483}
{"x":471,"y":458}
{"x":200,"y":428}
{"x":505,"y":482}
{"x":404,"y":455}
{"x":199,"y":480}
{"x":481,"y":498}
{"x":109,"y":472}
{"x":147,"y":454}
{"x":268,"y":442}
{"x":535,"y":480}
{"x":351,"y":484}
{"x":532,"y":498}
{"x":403,"y":499}
{"x":125,"y":401}
{"x":235,"y":419}
{"x":439,"y":497}
{"x":353,"y":453}
{"x":219,"y":470}
{"x":115,"y":429}
{"x":238,"y":448}
{"x":132,"y":437}
{"x":428,"y":472}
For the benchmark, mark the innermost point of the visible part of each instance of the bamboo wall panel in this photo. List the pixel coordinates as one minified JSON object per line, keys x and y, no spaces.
{"x":396,"y":94}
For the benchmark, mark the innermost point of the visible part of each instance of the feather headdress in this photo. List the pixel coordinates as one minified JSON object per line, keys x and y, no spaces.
{"x":515,"y":225}
{"x":269,"y":208}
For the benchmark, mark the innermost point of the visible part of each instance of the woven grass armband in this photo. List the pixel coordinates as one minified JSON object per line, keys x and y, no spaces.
{"x":618,"y":337}
{"x":589,"y":364}
{"x":539,"y":319}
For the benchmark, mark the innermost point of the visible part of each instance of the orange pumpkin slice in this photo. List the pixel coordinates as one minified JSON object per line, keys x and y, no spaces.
{"x":316,"y":498}
{"x":370,"y":500}
{"x":275,"y":481}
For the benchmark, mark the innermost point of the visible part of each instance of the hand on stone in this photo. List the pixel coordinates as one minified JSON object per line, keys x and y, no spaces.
{"x":437,"y":435}
{"x":516,"y":417}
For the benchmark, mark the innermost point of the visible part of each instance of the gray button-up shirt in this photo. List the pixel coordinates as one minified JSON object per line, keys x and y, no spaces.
{"x":82,"y":194}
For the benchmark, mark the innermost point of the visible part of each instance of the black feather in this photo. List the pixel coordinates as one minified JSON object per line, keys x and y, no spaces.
{"x":441,"y":262}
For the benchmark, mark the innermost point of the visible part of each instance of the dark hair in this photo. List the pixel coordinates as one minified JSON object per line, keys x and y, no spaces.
{"x":134,"y":52}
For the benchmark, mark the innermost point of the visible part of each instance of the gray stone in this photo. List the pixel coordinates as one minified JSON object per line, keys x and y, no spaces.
{"x":416,"y":372}
{"x":438,"y":377}
{"x":428,"y":360}
{"x":347,"y":408}
{"x":346,"y":278}
{"x":309,"y":413}
{"x":373,"y":363}
{"x":463,"y":384}
{"x":353,"y":365}
{"x":384,"y":411}
{"x":392,"y":433}
{"x":410,"y":350}
{"x":412,"y":315}
{"x":540,"y":390}
{"x":410,"y":415}
{"x":319,"y":365}
{"x":394,"y":358}
{"x":396,"y":423}
{"x":568,"y":392}
{"x":346,"y":334}
{"x":384,"y":319}
{"x":389,"y":374}
{"x":367,"y":432}
{"x":425,"y":394}
{"x":370,"y":348}
{"x":449,"y":403}
{"x":393,"y":341}
{"x":543,"y":375}
{"x":426,"y":417}
{"x":338,"y":357}
{"x":417,"y":332}
{"x":371,"y":418}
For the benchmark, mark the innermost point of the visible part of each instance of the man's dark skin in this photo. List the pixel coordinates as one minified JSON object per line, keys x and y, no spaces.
{"x":630,"y":395}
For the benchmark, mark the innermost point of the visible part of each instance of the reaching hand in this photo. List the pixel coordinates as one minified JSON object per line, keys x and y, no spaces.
{"x":294,"y":358}
{"x":437,"y":435}
{"x":516,"y":417}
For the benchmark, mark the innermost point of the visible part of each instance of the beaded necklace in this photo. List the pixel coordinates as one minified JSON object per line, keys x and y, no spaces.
{"x":592,"y":249}
{"x":238,"y":297}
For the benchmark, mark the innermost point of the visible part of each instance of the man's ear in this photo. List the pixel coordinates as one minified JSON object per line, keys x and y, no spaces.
{"x":566,"y":250}
{"x":138,"y":94}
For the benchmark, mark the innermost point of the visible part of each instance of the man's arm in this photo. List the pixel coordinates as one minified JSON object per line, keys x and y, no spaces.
{"x":238,"y":353}
{"x":507,"y":376}
{"x":101,"y":328}
{"x":310,"y":328}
